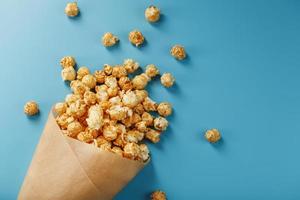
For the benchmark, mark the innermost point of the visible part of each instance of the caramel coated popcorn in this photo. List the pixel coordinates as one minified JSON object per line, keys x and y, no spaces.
{"x":167,"y":80}
{"x":178,"y":52}
{"x":136,"y":38}
{"x":108,"y":39}
{"x":67,"y":61}
{"x":31,"y":108}
{"x":72,"y":9}
{"x":158,"y":195}
{"x":152,"y":14}
{"x":213,"y":135}
{"x":111,"y":109}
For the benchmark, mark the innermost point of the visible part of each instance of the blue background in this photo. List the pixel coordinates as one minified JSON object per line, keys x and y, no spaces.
{"x":241,"y":76}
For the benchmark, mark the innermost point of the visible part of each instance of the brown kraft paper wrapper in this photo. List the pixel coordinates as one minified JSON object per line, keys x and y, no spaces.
{"x":63,"y":168}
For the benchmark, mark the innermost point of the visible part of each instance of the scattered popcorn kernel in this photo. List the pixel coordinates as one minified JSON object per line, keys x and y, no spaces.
{"x":158,"y":195}
{"x":95,"y":117}
{"x":131,"y":150}
{"x":67,"y":61}
{"x":152,"y":14}
{"x":119,"y":71}
{"x":178,"y":52}
{"x":100,"y":76}
{"x":108,"y":39}
{"x":68,"y":74}
{"x":130,"y":99}
{"x":160,"y":123}
{"x":82,"y":71}
{"x":140,"y":81}
{"x":134,"y":136}
{"x":141,"y":126}
{"x":139,"y":109}
{"x":90,"y":98}
{"x":74,"y":128}
{"x":213,"y":135}
{"x":147,"y":117}
{"x":153,"y":135}
{"x":136,"y":38}
{"x":117,"y":150}
{"x":125,"y":83}
{"x":144,"y":152}
{"x":111,"y":82}
{"x":72,"y":9}
{"x":60,"y":108}
{"x":31,"y":108}
{"x":107,"y":69}
{"x":131,"y":65}
{"x":117,"y":112}
{"x":164,"y":109}
{"x":149,"y":104}
{"x":167,"y":80}
{"x":89,"y":80}
{"x":78,"y":87}
{"x":110,"y":132}
{"x":151,"y":71}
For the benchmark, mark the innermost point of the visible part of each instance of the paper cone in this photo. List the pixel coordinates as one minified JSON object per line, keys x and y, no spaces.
{"x":63,"y":168}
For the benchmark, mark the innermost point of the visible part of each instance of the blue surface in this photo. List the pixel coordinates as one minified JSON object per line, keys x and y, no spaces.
{"x":241,"y":76}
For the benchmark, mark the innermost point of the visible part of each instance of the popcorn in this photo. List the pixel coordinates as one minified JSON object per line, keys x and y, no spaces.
{"x":111,"y":82}
{"x":140,"y":81}
{"x":102,"y":96}
{"x":125,"y":83}
{"x":67,"y":61}
{"x":131,"y":65}
{"x":152,"y":14}
{"x":130,"y":99}
{"x":167,"y":80}
{"x":31,"y":108}
{"x":62,"y":120}
{"x":119,"y":71}
{"x":81,"y":72}
{"x":100,"y":76}
{"x":78,"y":87}
{"x":147,"y":117}
{"x":95,"y":117}
{"x":152,"y":71}
{"x":102,"y":143}
{"x":112,"y":91}
{"x":90,"y":98}
{"x":213,"y":135}
{"x":87,"y":136}
{"x":160,"y":123}
{"x":153,"y":135}
{"x":74,"y":128}
{"x":89,"y":80}
{"x":117,"y":150}
{"x":139,"y":109}
{"x":68,"y":74}
{"x":108,"y":39}
{"x":117,"y":112}
{"x":144,"y":152}
{"x":72,"y":9}
{"x":141,"y":126}
{"x":110,"y":132}
{"x":132,"y":150}
{"x":158,"y":195}
{"x":136,"y":38}
{"x":141,"y":94}
{"x":107,"y":69}
{"x":115,"y":100}
{"x":178,"y":52}
{"x":76,"y":109}
{"x":134,"y":136}
{"x":60,"y":108}
{"x":149,"y":104}
{"x":164,"y":109}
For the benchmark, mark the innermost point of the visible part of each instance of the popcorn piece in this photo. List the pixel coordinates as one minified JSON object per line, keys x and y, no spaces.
{"x":81,"y":72}
{"x":131,"y":65}
{"x":87,"y":136}
{"x":141,"y":94}
{"x":131,"y":150}
{"x":139,"y":109}
{"x":74,"y":128}
{"x":152,"y":14}
{"x":67,"y":61}
{"x":160,"y":123}
{"x":108,"y":39}
{"x":136,"y":38}
{"x":140,"y":81}
{"x":31,"y":108}
{"x":178,"y":52}
{"x":134,"y":136}
{"x":115,"y":100}
{"x":95,"y":117}
{"x":89,"y":80}
{"x":120,"y":141}
{"x":101,"y":88}
{"x":117,"y":150}
{"x":100,"y":76}
{"x":76,"y":109}
{"x":147,"y":117}
{"x":151,"y":70}
{"x":158,"y":195}
{"x":90,"y":98}
{"x":60,"y":108}
{"x":119,"y":71}
{"x":63,"y":121}
{"x":78,"y":87}
{"x":111,"y":82}
{"x":125,"y":83}
{"x":72,"y":98}
{"x":102,"y":143}
{"x":164,"y":109}
{"x":102,"y":96}
{"x":167,"y":80}
{"x":117,"y":112}
{"x":72,"y":9}
{"x":153,"y":135}
{"x":141,"y":126}
{"x":149,"y":104}
{"x":112,"y":91}
{"x":107,"y":69}
{"x":68,"y":74}
{"x":144,"y":152}
{"x":110,"y":132}
{"x":130,"y":99}
{"x":213,"y":135}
